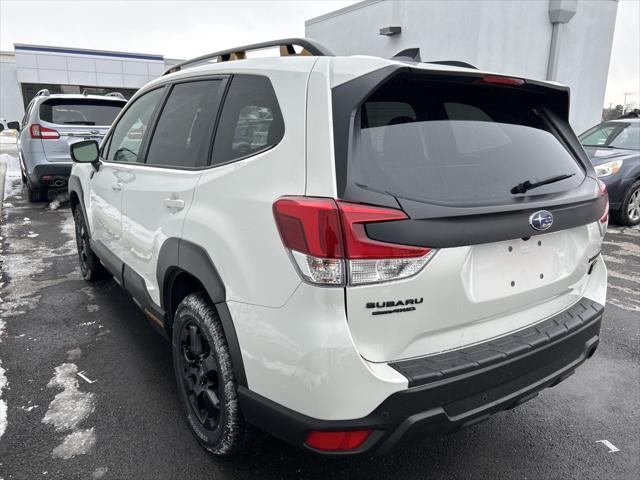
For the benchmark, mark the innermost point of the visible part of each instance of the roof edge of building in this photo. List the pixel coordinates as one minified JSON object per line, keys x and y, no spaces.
{"x":85,"y":51}
{"x":341,"y":11}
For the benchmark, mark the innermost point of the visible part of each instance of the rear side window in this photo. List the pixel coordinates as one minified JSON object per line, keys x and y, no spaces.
{"x":454,"y":143}
{"x":80,"y":112}
{"x":183,"y":132}
{"x":250,"y":122}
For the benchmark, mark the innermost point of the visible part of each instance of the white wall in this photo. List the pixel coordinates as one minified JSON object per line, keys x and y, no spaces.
{"x":11,"y":107}
{"x":505,"y":36}
{"x":583,"y":59}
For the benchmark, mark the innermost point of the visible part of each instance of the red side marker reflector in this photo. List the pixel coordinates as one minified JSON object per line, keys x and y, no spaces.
{"x":498,"y":80}
{"x":337,"y":441}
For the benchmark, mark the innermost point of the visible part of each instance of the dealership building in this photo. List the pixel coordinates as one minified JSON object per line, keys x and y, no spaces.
{"x":30,"y":68}
{"x":567,"y":41}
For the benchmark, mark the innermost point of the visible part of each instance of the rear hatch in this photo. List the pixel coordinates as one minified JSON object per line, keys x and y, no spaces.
{"x":67,"y":121}
{"x":493,"y":184}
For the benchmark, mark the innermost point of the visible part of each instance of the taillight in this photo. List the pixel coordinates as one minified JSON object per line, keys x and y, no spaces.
{"x":44,"y":133}
{"x":603,"y":191}
{"x":499,"y":80}
{"x":337,"y":441}
{"x":329,"y":244}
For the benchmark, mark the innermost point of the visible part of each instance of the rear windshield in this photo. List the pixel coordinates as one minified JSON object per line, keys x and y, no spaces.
{"x":80,"y":112}
{"x":452,"y":143}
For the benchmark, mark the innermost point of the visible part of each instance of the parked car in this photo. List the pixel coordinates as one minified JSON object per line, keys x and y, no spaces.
{"x":51,"y":123}
{"x":614,"y":149}
{"x":388,"y":248}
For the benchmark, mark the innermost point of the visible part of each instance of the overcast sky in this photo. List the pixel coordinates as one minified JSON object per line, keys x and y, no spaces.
{"x":183,"y":29}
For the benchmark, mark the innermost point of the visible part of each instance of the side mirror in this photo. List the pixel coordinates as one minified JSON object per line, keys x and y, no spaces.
{"x":13,"y":126}
{"x":85,"y":152}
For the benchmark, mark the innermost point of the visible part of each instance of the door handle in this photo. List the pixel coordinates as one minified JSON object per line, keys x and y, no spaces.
{"x":116,"y":187}
{"x":176,"y":204}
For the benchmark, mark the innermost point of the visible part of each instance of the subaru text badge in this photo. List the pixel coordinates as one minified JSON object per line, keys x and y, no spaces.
{"x":541,"y":220}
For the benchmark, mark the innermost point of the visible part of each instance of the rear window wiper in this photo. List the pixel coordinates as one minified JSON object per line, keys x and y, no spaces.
{"x":528,"y":185}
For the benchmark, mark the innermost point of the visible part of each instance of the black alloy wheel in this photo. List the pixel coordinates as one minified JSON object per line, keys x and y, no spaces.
{"x":205,"y":377}
{"x":90,"y":265}
{"x":200,"y":378}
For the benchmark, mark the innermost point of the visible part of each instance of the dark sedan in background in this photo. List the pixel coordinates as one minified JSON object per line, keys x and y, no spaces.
{"x":614,"y":150}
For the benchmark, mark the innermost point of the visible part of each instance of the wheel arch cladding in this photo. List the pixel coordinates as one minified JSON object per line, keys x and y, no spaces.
{"x":76,"y":197}
{"x":178,"y":256}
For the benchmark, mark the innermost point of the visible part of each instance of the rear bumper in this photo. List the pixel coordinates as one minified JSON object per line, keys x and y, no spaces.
{"x":59,"y":174}
{"x":457,"y":389}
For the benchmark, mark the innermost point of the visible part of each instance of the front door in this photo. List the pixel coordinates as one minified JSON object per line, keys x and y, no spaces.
{"x":121,"y":151}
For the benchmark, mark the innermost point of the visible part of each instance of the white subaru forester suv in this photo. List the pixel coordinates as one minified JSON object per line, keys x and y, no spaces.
{"x":348,"y":251}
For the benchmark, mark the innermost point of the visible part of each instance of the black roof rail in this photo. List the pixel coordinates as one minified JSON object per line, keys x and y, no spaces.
{"x":43,"y":93}
{"x":309,"y":47}
{"x":453,"y":63}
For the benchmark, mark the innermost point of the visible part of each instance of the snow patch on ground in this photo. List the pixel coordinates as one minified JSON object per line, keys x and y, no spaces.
{"x":68,"y":410}
{"x":71,"y":406}
{"x":79,"y":442}
{"x":3,"y":385}
{"x":57,"y":201}
{"x":3,"y":404}
{"x":99,"y":473}
{"x":93,"y":308}
{"x":13,"y":180}
{"x":74,"y":354}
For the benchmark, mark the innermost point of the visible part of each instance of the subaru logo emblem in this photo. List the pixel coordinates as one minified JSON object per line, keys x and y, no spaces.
{"x":541,"y":220}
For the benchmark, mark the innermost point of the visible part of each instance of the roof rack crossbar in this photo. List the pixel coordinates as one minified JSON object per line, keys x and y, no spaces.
{"x":309,"y":47}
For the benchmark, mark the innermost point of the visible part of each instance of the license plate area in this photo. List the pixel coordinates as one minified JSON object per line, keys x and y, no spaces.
{"x":498,"y":270}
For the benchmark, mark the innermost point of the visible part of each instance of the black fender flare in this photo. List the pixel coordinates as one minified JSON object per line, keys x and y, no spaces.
{"x":75,"y":186}
{"x":178,"y":255}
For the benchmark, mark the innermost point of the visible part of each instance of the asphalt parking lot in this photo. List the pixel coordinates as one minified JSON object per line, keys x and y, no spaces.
{"x":87,"y":389}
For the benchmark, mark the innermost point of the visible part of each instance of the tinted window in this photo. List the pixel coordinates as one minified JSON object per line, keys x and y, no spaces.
{"x":457,"y":144}
{"x":80,"y":112}
{"x":183,"y":132}
{"x":251,"y":120}
{"x":126,"y":139}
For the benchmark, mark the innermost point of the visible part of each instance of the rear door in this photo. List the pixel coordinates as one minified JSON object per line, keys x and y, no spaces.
{"x":75,"y":119}
{"x":119,"y":154}
{"x":160,"y":192}
{"x":506,"y":204}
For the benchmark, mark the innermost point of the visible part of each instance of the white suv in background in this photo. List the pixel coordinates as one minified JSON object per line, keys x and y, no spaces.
{"x":348,"y":251}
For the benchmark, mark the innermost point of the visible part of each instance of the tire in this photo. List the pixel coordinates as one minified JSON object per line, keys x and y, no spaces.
{"x":204,"y":373}
{"x":33,"y":194}
{"x":629,"y":213}
{"x":90,"y":266}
